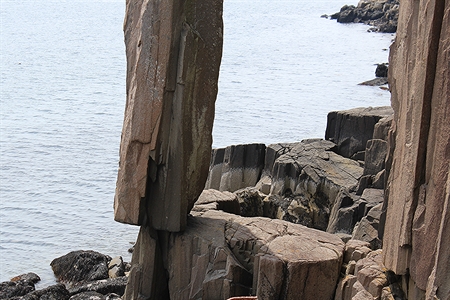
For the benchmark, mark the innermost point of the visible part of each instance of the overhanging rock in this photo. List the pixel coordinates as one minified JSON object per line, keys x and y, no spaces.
{"x":173,"y":53}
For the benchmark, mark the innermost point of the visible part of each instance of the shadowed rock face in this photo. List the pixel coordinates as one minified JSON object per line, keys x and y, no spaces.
{"x":417,"y":228}
{"x":173,"y":52}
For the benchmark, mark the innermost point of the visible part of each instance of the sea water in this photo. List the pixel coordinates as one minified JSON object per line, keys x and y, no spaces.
{"x":63,"y":96}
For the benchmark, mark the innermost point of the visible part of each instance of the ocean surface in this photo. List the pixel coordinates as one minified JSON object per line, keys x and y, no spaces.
{"x":63,"y":97}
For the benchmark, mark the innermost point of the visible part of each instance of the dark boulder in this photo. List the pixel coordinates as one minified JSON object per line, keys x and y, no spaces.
{"x":18,"y":286}
{"x":53,"y":292}
{"x":105,"y":286}
{"x":79,"y":266}
{"x":381,"y":70}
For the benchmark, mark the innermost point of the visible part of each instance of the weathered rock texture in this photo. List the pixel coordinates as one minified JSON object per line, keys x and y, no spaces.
{"x":227,"y":255}
{"x":351,"y":129}
{"x":382,"y":14}
{"x":173,"y":52}
{"x":417,"y":228}
{"x":236,"y":167}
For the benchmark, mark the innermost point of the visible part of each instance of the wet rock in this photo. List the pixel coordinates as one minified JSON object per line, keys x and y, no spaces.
{"x":381,"y":70}
{"x":19,"y":285}
{"x":78,"y":266}
{"x":54,"y":292}
{"x":351,"y":129}
{"x":88,"y":296}
{"x":104,"y":287}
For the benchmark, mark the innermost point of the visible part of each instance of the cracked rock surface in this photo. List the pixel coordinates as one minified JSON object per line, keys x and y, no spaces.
{"x":229,"y":255}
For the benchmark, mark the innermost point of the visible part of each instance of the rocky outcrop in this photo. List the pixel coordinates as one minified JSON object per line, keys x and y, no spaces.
{"x":381,"y":14}
{"x":19,"y":285}
{"x":417,"y":232}
{"x":236,"y":167}
{"x":351,"y":129}
{"x":228,"y":255}
{"x":308,"y":176}
{"x":173,"y":53}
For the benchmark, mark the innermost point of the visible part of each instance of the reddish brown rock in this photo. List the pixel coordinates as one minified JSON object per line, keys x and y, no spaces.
{"x":173,"y":52}
{"x":417,"y":230}
{"x":222,"y":255}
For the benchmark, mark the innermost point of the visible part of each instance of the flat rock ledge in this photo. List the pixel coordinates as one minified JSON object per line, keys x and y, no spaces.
{"x":229,"y":255}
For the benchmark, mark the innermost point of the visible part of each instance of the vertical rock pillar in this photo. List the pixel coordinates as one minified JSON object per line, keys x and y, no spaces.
{"x":173,"y":49}
{"x":416,"y":239}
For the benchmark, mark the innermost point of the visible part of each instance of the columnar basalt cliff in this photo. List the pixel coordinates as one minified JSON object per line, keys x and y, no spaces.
{"x":417,"y":229}
{"x":387,"y":238}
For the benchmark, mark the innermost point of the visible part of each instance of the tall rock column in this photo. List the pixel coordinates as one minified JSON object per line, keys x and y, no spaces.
{"x":417,"y":230}
{"x":173,"y":49}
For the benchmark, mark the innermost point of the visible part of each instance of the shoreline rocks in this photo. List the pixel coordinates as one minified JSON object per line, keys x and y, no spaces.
{"x":81,"y":275}
{"x":382,"y":15}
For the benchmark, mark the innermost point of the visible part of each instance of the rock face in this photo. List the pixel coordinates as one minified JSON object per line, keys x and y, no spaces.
{"x":310,"y":176}
{"x":173,"y":52}
{"x":236,"y":167}
{"x":341,"y":128}
{"x":417,"y":230}
{"x":228,"y":255}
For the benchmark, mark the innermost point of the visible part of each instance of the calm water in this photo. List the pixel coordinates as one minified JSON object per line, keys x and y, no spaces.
{"x":63,"y":96}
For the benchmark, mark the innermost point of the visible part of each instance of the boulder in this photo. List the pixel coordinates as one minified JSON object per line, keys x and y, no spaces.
{"x":214,"y":199}
{"x":356,"y":250}
{"x":173,"y":51}
{"x":381,"y":70}
{"x":240,"y":167}
{"x":18,"y":285}
{"x":94,"y":296}
{"x":53,"y":292}
{"x":351,"y":129}
{"x":78,"y":266}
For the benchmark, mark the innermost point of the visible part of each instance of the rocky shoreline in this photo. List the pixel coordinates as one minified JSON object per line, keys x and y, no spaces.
{"x":334,"y":185}
{"x":81,"y":275}
{"x":381,"y":15}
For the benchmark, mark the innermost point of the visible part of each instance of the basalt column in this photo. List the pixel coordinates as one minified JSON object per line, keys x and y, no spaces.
{"x":173,"y":49}
{"x":173,"y":53}
{"x":417,"y":229}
